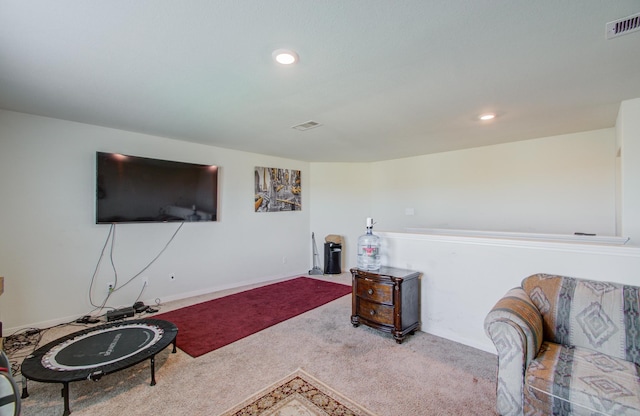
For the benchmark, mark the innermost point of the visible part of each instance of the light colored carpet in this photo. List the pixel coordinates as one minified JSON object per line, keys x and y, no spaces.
{"x":425,"y":375}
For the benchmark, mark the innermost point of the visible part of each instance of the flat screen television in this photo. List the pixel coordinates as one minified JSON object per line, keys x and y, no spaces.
{"x":133,"y":189}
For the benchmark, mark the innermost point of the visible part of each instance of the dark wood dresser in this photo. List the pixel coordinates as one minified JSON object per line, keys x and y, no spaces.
{"x":387,"y":299}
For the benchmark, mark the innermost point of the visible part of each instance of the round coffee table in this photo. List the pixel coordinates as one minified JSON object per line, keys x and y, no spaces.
{"x":95,"y":352}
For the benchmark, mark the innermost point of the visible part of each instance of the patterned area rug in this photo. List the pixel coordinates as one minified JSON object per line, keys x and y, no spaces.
{"x":298,"y":394}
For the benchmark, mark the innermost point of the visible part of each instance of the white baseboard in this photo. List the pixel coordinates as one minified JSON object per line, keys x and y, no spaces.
{"x":180,"y":296}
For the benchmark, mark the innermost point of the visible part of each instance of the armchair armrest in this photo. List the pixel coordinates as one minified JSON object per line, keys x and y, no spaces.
{"x":514,"y":325}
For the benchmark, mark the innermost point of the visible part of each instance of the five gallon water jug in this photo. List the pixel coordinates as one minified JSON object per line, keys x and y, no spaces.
{"x":369,"y":249}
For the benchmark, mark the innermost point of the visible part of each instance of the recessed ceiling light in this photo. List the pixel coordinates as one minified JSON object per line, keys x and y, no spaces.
{"x":486,"y":117}
{"x":285,"y":56}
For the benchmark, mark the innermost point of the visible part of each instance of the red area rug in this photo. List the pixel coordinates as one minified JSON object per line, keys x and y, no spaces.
{"x":207,"y":326}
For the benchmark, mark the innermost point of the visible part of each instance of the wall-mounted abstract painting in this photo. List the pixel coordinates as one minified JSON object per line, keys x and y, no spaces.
{"x":277,"y":189}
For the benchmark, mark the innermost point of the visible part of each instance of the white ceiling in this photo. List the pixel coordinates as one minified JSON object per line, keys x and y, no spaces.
{"x":386,"y":79}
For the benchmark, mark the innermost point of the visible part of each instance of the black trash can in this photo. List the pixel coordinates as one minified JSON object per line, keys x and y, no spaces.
{"x":332,"y":258}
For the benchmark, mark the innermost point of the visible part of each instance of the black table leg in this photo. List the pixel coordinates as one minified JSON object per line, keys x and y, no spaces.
{"x":153,"y":370}
{"x":174,"y":345}
{"x":25,"y":393}
{"x":65,"y":395}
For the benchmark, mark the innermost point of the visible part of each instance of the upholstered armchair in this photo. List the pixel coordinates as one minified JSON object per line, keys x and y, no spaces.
{"x":567,"y":346}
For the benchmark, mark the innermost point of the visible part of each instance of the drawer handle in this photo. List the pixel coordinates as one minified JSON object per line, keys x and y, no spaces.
{"x":370,"y":291}
{"x":372,"y":312}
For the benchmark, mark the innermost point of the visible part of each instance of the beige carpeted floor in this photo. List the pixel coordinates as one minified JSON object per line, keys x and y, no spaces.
{"x":425,"y":375}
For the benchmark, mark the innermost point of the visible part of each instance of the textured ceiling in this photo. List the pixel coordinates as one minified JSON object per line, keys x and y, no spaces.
{"x":386,"y":79}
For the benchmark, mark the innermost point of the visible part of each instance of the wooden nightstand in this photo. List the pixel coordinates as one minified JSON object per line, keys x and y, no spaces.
{"x":387,"y":299}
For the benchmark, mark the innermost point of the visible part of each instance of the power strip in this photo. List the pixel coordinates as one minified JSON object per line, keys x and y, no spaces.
{"x":120,"y":313}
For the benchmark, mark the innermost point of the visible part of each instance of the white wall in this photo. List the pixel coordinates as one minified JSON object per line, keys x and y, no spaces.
{"x":50,"y":244}
{"x":562,"y":184}
{"x":463,"y":277}
{"x":340,"y":204}
{"x":555,"y":185}
{"x":628,"y":137}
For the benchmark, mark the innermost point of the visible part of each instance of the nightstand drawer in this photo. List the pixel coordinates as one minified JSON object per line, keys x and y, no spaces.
{"x":382,"y":314}
{"x":373,"y":291}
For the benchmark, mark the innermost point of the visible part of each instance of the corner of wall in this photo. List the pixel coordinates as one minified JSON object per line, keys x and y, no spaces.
{"x":628,"y":142}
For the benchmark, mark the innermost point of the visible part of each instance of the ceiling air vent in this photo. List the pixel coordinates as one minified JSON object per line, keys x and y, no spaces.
{"x":623,"y":26}
{"x":306,"y":126}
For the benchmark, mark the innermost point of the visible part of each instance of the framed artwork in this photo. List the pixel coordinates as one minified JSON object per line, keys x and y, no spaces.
{"x":277,"y":190}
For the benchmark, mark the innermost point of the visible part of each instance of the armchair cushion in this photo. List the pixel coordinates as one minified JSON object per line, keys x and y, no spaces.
{"x":572,"y":380}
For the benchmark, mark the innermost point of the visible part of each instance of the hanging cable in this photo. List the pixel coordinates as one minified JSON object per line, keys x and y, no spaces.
{"x":140,"y":294}
{"x":113,"y":265}
{"x":95,"y":271}
{"x":112,"y":236}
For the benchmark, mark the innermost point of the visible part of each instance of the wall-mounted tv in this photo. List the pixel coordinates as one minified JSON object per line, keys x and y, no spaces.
{"x":133,"y":189}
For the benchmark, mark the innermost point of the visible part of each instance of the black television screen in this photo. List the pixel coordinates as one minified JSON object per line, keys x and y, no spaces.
{"x":140,"y":189}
